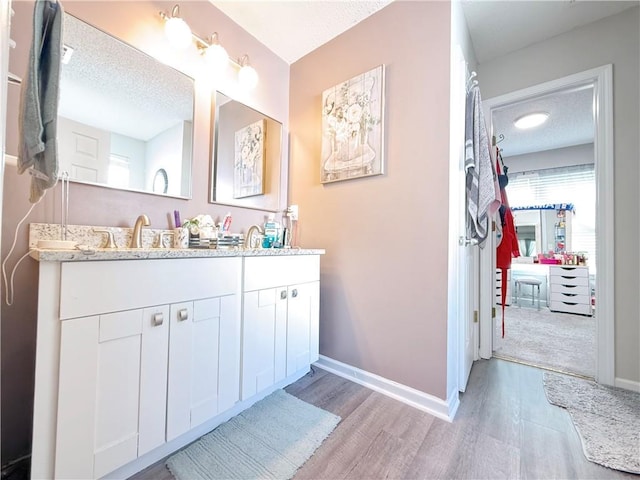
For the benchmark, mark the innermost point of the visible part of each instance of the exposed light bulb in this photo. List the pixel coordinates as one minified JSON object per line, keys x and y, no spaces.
{"x":248,"y":77}
{"x":216,"y":57}
{"x":178,"y":32}
{"x":531,"y":120}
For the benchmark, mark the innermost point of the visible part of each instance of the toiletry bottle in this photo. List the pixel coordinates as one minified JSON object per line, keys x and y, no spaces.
{"x":271,"y":232}
{"x":226,"y":224}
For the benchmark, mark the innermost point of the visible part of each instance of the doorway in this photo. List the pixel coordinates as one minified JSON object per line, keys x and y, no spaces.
{"x":600,"y":80}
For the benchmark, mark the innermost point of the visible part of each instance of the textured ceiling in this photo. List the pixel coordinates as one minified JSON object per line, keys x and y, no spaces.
{"x":500,"y":27}
{"x":291,"y":29}
{"x":570,"y":122}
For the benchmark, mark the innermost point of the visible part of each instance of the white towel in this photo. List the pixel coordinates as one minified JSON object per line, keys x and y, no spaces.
{"x":483,"y":192}
{"x":37,"y":147}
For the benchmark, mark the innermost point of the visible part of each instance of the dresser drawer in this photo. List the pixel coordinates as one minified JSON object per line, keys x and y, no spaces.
{"x":569,"y":307}
{"x":570,"y":298}
{"x":569,"y":270}
{"x":556,"y":280}
{"x":571,"y":289}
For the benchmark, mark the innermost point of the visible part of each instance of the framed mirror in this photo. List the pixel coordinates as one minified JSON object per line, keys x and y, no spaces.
{"x":247,"y":156}
{"x":123,"y":116}
{"x":543,"y":229}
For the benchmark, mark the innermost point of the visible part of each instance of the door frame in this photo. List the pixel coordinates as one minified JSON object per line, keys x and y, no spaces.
{"x":602,"y":79}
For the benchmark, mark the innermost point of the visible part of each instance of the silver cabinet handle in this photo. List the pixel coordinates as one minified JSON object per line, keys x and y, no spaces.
{"x":183,"y":314}
{"x":157,"y":319}
{"x":283,"y":294}
{"x":294,"y":293}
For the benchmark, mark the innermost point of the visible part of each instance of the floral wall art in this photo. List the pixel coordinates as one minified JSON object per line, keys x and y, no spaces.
{"x":352,"y":128}
{"x":249,"y":160}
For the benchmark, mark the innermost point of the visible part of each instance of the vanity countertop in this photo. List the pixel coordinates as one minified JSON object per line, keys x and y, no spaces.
{"x":95,"y":254}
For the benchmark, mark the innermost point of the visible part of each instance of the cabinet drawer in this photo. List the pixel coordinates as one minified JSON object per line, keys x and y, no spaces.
{"x":91,"y":288}
{"x":570,"y":289}
{"x":570,"y":298}
{"x":569,"y":307}
{"x":570,"y":270}
{"x":276,"y":271}
{"x":555,"y":280}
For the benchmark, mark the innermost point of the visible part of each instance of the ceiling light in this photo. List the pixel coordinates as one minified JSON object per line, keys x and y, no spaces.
{"x":247,"y":76}
{"x":531,"y":120}
{"x":177,"y":30}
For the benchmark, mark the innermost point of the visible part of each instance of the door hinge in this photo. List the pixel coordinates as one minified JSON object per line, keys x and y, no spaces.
{"x":475,"y":316}
{"x":493,"y":225}
{"x":493,"y":312}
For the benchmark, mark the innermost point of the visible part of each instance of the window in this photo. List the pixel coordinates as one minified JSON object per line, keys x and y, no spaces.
{"x":118,"y":171}
{"x":575,"y":184}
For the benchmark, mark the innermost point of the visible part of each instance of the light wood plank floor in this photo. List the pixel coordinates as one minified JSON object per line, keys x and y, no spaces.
{"x":504,"y":428}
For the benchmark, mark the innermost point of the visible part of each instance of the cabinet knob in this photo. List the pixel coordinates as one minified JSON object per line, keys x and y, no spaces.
{"x":183,"y":314}
{"x":294,"y":293}
{"x":283,"y":294}
{"x":157,"y":319}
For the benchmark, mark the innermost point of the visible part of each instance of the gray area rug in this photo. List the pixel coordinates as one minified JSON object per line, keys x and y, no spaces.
{"x":559,"y":341}
{"x":606,"y":418}
{"x":271,"y":439}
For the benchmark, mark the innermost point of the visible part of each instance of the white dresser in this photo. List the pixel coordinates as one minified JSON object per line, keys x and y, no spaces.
{"x":569,"y":289}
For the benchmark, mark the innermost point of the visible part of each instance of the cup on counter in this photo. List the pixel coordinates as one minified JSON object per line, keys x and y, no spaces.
{"x":181,"y":237}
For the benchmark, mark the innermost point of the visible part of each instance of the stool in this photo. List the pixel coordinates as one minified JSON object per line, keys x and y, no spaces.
{"x":534,"y":282}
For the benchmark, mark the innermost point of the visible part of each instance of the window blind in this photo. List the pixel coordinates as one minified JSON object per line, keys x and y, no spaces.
{"x":575,"y":184}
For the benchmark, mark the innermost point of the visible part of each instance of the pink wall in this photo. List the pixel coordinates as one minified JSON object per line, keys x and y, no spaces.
{"x":384,"y":277}
{"x":135,"y":23}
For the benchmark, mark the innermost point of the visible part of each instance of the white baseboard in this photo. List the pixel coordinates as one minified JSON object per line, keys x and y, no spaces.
{"x":627,"y":384}
{"x":415,"y":398}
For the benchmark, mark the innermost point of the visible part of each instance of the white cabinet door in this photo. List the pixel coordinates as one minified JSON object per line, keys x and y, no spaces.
{"x":179,"y":380}
{"x":153,"y":378}
{"x":111,"y":391}
{"x":264,"y":339}
{"x":302,"y":326}
{"x":204,"y":361}
{"x":229,"y":353}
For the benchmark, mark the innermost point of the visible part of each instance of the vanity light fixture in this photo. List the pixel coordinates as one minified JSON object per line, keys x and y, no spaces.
{"x":214,"y":54}
{"x":531,"y":120}
{"x":176,"y":29}
{"x":247,"y":76}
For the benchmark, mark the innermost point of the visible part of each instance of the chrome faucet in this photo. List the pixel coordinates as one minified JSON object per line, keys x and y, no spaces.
{"x":136,"y":236}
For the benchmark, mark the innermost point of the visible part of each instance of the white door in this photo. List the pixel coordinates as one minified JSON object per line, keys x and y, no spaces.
{"x":84,"y":151}
{"x":461,"y":266}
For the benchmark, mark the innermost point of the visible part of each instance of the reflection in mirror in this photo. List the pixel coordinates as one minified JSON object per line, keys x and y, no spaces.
{"x":246,"y":158}
{"x":538,"y":230}
{"x":122,"y":115}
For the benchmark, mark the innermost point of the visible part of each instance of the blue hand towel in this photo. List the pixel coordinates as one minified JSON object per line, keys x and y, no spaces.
{"x":38,"y":150}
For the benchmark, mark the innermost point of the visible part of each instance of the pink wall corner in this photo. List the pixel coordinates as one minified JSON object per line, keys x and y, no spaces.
{"x":137,"y":23}
{"x":384,"y":277}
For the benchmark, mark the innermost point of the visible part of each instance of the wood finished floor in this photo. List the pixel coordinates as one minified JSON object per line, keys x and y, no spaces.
{"x":504,"y":428}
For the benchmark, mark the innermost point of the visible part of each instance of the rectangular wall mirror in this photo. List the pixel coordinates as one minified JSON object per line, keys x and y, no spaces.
{"x":247,"y":156}
{"x":543,"y":229}
{"x":125,"y":120}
